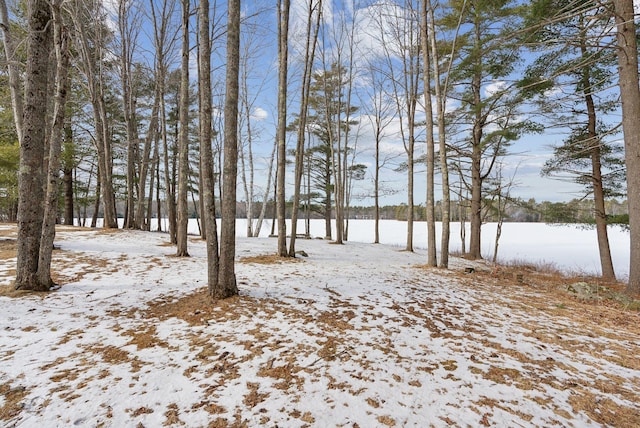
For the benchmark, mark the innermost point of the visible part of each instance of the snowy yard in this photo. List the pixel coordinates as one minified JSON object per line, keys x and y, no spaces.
{"x":358,"y":335}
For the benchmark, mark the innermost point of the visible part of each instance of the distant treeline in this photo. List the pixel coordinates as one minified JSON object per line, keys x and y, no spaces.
{"x":530,"y":211}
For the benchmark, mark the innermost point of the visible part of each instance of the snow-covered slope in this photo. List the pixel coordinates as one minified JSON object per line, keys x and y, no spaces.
{"x":352,"y":335}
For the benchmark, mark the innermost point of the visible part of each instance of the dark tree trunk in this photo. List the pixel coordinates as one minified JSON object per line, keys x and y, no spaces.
{"x":206,"y":155}
{"x":227,"y":286}
{"x":31,"y":175}
{"x":55,"y":146}
{"x":67,"y":174}
{"x":630,"y":95}
{"x":283,"y":44}
{"x":183,"y":139}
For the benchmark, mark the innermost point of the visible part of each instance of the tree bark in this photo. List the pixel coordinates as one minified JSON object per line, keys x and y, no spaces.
{"x":92,"y":64}
{"x":67,"y":174}
{"x":265,"y":199}
{"x":309,"y":55}
{"x":151,"y":137}
{"x":31,"y":174}
{"x":163,"y":45}
{"x":226,"y":285}
{"x":441,"y":99}
{"x":12,"y":68}
{"x":430,"y":200}
{"x":96,"y":205}
{"x":183,"y":139}
{"x":206,"y":155}
{"x":127,"y":33}
{"x":61,"y":45}
{"x":606,"y":263}
{"x":476,"y":174}
{"x":283,"y":50}
{"x":630,"y":95}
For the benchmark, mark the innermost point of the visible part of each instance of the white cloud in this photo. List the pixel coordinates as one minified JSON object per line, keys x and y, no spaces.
{"x":259,"y":114}
{"x":495,"y":87}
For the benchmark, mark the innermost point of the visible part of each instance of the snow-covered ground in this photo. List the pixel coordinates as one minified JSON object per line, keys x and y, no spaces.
{"x":357,"y":335}
{"x":570,"y":248}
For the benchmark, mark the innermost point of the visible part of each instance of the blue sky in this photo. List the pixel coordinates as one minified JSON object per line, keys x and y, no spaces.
{"x":529,"y":154}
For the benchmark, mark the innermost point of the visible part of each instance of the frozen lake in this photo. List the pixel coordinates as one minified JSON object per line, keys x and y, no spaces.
{"x":569,"y":248}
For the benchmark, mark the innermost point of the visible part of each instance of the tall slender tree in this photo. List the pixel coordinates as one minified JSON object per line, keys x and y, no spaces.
{"x":430,"y":205}
{"x":488,"y":109}
{"x":227,"y":285}
{"x":91,"y":37}
{"x":56,"y":135}
{"x":32,"y":149}
{"x":164,"y":42}
{"x":378,"y":107}
{"x":128,"y":30}
{"x":311,"y":40}
{"x":441,"y":90}
{"x":281,"y":133}
{"x":183,"y":137}
{"x":573,"y":77}
{"x":401,"y":46}
{"x":13,"y":70}
{"x":630,"y":95}
{"x":206,"y":156}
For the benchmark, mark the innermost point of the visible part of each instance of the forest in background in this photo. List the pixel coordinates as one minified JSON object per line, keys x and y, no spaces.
{"x":157,"y":105}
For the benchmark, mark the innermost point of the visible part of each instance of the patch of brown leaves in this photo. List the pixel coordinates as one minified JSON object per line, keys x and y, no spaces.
{"x":269,"y":259}
{"x":540,"y":288}
{"x":7,"y":248}
{"x":13,"y":396}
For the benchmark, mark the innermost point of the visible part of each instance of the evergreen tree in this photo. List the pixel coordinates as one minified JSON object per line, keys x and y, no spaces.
{"x":326,"y":121}
{"x":572,"y":77}
{"x":489,"y":115}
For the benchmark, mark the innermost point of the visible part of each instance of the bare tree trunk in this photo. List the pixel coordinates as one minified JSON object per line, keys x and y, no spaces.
{"x":67,"y":174}
{"x":206,"y":156}
{"x":380,"y":119}
{"x":327,"y":202}
{"x":61,"y":46}
{"x":158,"y":197}
{"x":31,"y":174}
{"x":309,"y":55}
{"x":441,"y":99}
{"x":67,"y":180}
{"x":345,"y":191}
{"x":127,"y":32}
{"x":153,"y":167}
{"x":170,"y":197}
{"x":498,"y":235}
{"x":164,"y":39}
{"x":476,"y":177}
{"x":307,"y":220}
{"x":12,"y":68}
{"x":606,"y":263}
{"x":376,"y":192}
{"x":96,"y":205}
{"x":245,"y":161}
{"x":226,"y":285}
{"x":183,"y":141}
{"x":630,"y":95}
{"x":430,"y":205}
{"x":283,"y":50}
{"x":265,"y":199}
{"x":247,"y":173}
{"x":463,"y":226}
{"x":151,"y":137}
{"x":91,"y":64}
{"x":106,"y":164}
